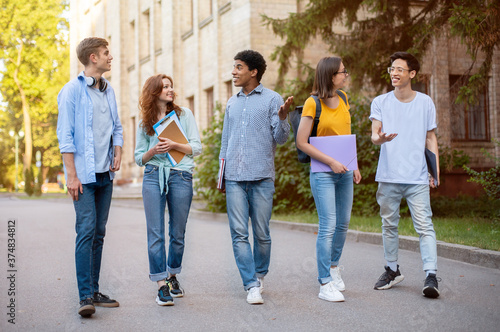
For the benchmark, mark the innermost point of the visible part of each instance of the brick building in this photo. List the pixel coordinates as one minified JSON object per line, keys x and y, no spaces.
{"x":194,"y":41}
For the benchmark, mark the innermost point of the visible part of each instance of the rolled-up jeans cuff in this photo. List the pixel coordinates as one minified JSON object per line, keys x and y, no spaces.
{"x":158,"y":276}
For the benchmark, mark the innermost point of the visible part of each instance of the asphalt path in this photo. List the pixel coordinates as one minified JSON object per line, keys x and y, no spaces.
{"x":46,"y":297}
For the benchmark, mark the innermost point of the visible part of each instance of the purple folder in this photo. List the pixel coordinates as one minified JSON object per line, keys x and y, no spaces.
{"x":340,"y":147}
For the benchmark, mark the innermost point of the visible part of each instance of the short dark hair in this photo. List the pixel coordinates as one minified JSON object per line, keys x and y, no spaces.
{"x":89,"y":46}
{"x":323,"y":79}
{"x":254,"y":60}
{"x":411,"y":61}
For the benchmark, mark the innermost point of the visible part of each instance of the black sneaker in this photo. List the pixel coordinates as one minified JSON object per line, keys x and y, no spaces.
{"x":175,"y":287}
{"x":86,"y":308}
{"x":389,"y":278}
{"x":104,"y":301}
{"x":164,"y":297}
{"x":431,"y":286}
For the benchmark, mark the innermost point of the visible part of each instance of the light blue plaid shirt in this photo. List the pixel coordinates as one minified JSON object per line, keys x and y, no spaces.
{"x":252,"y":128}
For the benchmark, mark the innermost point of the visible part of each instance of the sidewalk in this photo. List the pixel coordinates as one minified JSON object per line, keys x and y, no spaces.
{"x":215,"y":299}
{"x":132,"y":195}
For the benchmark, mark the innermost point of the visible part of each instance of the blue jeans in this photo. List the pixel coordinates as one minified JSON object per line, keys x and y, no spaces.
{"x":254,"y":200}
{"x":178,"y":199}
{"x":333,"y":195}
{"x":417,"y":196}
{"x":92,"y":209}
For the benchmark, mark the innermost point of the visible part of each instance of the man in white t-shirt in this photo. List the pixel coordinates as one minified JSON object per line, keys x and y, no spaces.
{"x":403,"y":123}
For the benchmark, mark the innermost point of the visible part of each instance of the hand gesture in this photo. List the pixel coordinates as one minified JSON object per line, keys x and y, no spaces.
{"x":384,"y":137}
{"x":283,"y":112}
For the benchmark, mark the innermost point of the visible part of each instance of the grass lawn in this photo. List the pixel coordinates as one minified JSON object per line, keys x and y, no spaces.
{"x":470,"y":231}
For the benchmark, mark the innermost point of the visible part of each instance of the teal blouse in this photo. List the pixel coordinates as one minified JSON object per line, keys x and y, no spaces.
{"x":145,"y":142}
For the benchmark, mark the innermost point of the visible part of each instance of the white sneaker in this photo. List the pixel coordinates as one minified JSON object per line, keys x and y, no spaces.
{"x":253,"y":296}
{"x":337,"y":279}
{"x":261,"y":288}
{"x":328,"y":292}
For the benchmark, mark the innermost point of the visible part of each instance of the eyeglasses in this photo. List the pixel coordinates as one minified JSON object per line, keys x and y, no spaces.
{"x":342,"y":72}
{"x":398,"y":70}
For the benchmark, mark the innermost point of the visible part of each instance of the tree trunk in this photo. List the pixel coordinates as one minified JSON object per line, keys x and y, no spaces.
{"x":28,"y":140}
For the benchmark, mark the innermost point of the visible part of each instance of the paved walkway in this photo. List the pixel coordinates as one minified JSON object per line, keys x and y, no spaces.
{"x":131,"y":195}
{"x":46,"y":293}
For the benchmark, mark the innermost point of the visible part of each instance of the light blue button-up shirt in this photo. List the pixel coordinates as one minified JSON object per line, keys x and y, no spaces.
{"x":75,"y":127}
{"x":252,"y":128}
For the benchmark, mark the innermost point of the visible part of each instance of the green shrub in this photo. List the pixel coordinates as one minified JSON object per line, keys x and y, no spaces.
{"x":207,"y":164}
{"x":490,"y":179}
{"x":464,"y":206}
{"x":365,"y":201}
{"x":293,"y":191}
{"x":450,"y":159}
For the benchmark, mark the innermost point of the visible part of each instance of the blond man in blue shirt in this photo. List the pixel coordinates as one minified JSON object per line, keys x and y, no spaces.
{"x":90,"y":139}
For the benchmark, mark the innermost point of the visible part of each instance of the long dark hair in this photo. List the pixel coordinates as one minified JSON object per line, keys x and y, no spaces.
{"x":323,"y":79}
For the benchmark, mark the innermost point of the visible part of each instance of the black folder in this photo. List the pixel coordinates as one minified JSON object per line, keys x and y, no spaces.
{"x":430,"y":158}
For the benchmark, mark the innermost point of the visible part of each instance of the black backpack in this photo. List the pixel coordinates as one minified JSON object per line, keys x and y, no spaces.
{"x":295,"y":116}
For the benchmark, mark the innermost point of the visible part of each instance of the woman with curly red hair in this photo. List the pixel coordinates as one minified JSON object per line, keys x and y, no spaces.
{"x":164,"y":184}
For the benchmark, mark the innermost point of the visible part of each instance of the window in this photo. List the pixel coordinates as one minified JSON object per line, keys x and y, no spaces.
{"x":131,"y":46}
{"x":191,"y":103}
{"x":421,"y":84}
{"x":107,"y":75}
{"x":134,"y":129}
{"x":229,"y":89}
{"x":204,"y":10}
{"x":157,"y":27}
{"x":468,"y":122}
{"x":209,"y":93}
{"x":144,"y":29}
{"x":187,"y":18}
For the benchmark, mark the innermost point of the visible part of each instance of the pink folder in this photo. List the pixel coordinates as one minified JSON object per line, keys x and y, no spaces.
{"x":340,"y":147}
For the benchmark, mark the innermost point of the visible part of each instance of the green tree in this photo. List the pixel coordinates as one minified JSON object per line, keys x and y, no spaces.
{"x":34,"y":53}
{"x":377,"y":28}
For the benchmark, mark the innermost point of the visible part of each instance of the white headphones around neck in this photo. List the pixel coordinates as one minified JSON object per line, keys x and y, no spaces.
{"x":91,"y":81}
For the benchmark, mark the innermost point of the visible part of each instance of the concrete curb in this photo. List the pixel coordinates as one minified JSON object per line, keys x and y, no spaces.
{"x":466,"y":254}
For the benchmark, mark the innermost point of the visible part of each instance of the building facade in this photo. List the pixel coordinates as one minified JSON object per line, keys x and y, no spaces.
{"x":194,"y":42}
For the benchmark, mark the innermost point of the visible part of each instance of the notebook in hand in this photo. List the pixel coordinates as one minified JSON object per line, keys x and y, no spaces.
{"x":170,"y":127}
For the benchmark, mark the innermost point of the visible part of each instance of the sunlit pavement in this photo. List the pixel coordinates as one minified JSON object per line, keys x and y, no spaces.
{"x":46,"y":294}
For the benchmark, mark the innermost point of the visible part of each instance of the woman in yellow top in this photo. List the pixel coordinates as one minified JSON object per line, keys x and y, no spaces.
{"x":332,"y":191}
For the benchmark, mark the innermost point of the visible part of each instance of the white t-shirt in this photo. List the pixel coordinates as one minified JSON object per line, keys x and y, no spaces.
{"x":402,"y":160}
{"x":102,"y":126}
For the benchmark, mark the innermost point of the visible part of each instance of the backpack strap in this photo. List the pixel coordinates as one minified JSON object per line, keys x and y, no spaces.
{"x":314,"y":132}
{"x":316,"y":118}
{"x":342,"y":95}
